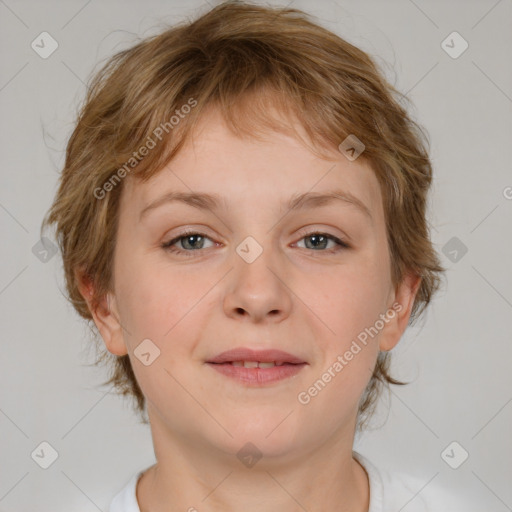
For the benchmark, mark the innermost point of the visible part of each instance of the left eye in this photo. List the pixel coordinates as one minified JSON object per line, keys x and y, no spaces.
{"x":321,"y":239}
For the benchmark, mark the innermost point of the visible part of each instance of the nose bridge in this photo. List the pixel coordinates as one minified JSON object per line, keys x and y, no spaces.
{"x":256,"y":288}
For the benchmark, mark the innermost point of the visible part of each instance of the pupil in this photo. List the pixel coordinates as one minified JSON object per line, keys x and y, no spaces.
{"x":191,"y":237}
{"x":316,"y":237}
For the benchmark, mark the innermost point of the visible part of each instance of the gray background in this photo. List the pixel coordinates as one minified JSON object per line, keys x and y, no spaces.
{"x":458,"y":358}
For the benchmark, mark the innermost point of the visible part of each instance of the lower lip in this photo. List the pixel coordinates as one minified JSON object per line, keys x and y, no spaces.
{"x":258,"y":376}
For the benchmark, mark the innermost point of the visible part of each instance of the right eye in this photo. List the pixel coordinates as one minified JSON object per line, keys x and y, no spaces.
{"x":192,"y":239}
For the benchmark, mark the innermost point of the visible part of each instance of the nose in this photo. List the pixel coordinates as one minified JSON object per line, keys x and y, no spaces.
{"x":258,"y":291}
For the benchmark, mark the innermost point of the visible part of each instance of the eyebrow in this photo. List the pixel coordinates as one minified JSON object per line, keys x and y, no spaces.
{"x":212,"y":202}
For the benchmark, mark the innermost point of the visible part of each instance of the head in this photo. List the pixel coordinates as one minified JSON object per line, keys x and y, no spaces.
{"x":250,"y":105}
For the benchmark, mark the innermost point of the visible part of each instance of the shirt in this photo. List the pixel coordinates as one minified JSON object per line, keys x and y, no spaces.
{"x":389,"y":492}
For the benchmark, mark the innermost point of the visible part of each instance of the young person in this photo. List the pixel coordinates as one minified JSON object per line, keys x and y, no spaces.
{"x":242,"y":214}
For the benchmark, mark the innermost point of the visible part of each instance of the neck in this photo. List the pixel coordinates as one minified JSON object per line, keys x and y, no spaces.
{"x":196,"y":477}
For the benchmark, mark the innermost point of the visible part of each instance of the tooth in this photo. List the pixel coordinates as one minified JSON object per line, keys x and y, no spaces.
{"x":267,"y":365}
{"x":255,"y":364}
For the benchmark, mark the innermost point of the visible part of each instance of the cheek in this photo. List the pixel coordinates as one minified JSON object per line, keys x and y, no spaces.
{"x":350,"y":304}
{"x":351,"y":300}
{"x":162,"y":303}
{"x":162,"y":308}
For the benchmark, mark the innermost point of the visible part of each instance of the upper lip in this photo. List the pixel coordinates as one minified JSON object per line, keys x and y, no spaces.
{"x":261,"y":356}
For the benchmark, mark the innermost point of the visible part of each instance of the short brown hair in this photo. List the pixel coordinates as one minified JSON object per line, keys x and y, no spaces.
{"x":230,"y":58}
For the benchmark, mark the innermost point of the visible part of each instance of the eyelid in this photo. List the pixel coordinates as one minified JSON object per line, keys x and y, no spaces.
{"x":344,"y":240}
{"x":189,"y":230}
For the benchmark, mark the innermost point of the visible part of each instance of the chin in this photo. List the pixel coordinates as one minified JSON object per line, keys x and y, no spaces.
{"x":269,"y":434}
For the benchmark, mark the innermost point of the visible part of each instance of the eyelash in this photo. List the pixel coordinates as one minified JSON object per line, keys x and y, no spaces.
{"x":167,"y":246}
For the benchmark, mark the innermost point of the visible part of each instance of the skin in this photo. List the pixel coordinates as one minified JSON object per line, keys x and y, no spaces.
{"x":304,"y":300}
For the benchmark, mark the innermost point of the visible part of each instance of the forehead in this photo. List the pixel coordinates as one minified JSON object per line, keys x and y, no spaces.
{"x":254,"y":172}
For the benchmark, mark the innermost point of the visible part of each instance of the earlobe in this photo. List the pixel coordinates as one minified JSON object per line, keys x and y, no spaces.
{"x":105,"y":315}
{"x":399,"y":311}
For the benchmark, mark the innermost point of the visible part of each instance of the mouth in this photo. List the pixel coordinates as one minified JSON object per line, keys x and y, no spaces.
{"x":257,"y":367}
{"x":251,"y":357}
{"x":256,"y":364}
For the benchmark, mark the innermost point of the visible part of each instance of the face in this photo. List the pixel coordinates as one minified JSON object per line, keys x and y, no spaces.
{"x":251,"y":270}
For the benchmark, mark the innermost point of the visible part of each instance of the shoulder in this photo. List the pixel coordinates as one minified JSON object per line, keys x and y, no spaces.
{"x":126,"y":499}
{"x":392,"y":491}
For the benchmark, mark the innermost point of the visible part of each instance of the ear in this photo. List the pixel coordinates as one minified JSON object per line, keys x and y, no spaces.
{"x":105,"y":315}
{"x":399,"y":311}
